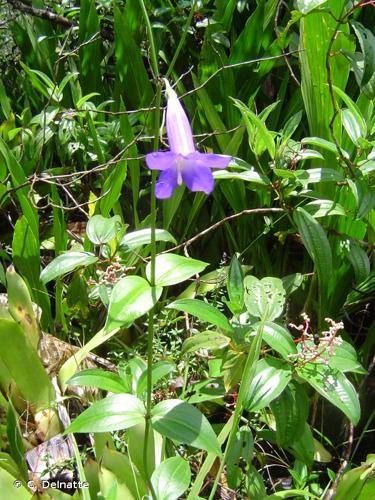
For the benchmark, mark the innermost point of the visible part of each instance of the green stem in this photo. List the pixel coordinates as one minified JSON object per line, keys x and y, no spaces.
{"x":153,"y":52}
{"x":208,"y":463}
{"x":150,"y":338}
{"x":182,"y":40}
{"x":186,"y":374}
{"x":248,"y":375}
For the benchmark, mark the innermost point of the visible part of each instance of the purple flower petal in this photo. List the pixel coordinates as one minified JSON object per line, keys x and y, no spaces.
{"x":211,"y":160}
{"x":197,"y":176}
{"x":180,"y":135}
{"x":166,"y":183}
{"x":160,"y":160}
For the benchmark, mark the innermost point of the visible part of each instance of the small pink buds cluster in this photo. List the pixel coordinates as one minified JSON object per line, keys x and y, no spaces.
{"x":313,"y":347}
{"x":112,"y":274}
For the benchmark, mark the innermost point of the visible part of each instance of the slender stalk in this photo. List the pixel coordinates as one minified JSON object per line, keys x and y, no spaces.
{"x":150,"y":338}
{"x":182,"y":40}
{"x":151,"y":41}
{"x":209,"y":461}
{"x":248,"y":375}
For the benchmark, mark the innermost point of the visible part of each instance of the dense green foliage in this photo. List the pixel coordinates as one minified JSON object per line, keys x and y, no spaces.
{"x":234,"y":333}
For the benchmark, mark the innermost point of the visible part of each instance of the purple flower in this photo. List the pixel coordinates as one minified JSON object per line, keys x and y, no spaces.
{"x":183,"y":163}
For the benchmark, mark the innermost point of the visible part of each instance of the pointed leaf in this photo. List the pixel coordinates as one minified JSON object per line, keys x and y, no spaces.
{"x":271,"y":377}
{"x":107,"y":381}
{"x":203,"y":311}
{"x":112,"y":413}
{"x":334,"y":386}
{"x":317,"y":245}
{"x":171,"y":269}
{"x":65,"y":263}
{"x":131,"y":298}
{"x":171,"y":478}
{"x":185,"y":424}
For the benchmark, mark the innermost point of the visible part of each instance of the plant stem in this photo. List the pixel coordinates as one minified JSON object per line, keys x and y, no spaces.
{"x":209,"y":461}
{"x":153,"y":52}
{"x":150,"y":338}
{"x":182,"y":40}
{"x":248,"y":375}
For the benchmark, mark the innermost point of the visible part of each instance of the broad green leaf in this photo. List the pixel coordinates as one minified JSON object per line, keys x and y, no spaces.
{"x":7,"y":463}
{"x":205,"y":340}
{"x":107,"y":381}
{"x":279,"y":338}
{"x":171,"y":269}
{"x":8,"y":489}
{"x":291,"y":126}
{"x":171,"y":478}
{"x":160,"y":369}
{"x":271,"y":377}
{"x":210,"y":389}
{"x":321,"y":454}
{"x":323,"y":208}
{"x":358,"y":63}
{"x":203,"y":311}
{"x":131,"y":298}
{"x":359,"y":260}
{"x":101,"y":229}
{"x":334,"y":386}
{"x":256,"y":489}
{"x":232,"y":368}
{"x":353,"y":483}
{"x":305,"y":6}
{"x":292,"y":282}
{"x":354,"y":109}
{"x":259,"y":135}
{"x":316,"y":175}
{"x":21,"y":307}
{"x":290,"y":410}
{"x":135,"y":440}
{"x":111,"y":488}
{"x":317,"y":245}
{"x":264,"y":298}
{"x":120,"y":465}
{"x":323,"y":144}
{"x":65,"y":263}
{"x":113,"y":413}
{"x":136,"y":239}
{"x":367,"y":42}
{"x":351,"y":125}
{"x":183,"y":423}
{"x":344,"y":359}
{"x":247,"y":176}
{"x":368,"y":490}
{"x":25,"y":366}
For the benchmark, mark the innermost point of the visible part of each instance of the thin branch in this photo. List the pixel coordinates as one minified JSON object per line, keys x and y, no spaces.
{"x":251,"y":211}
{"x":51,"y":16}
{"x":46,"y":14}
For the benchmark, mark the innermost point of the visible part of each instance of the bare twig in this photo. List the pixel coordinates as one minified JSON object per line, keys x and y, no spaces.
{"x":46,"y":14}
{"x":251,"y":211}
{"x":346,"y":456}
{"x":51,"y":16}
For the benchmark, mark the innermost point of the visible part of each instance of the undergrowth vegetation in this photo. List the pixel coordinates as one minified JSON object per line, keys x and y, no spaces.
{"x":187,"y":229}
